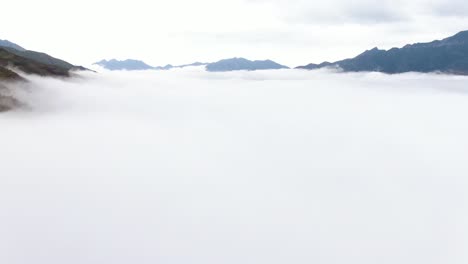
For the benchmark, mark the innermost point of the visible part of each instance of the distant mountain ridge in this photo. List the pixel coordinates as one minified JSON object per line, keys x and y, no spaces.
{"x":449,"y":55}
{"x":138,"y":65}
{"x":239,"y":64}
{"x":169,"y":66}
{"x":118,"y":65}
{"x":234,"y":64}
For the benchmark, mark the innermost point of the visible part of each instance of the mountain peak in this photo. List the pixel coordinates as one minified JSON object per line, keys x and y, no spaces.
{"x":128,"y":64}
{"x":460,"y":37}
{"x":463,"y":34}
{"x":9,"y":44}
{"x":239,"y":64}
{"x":371,"y":51}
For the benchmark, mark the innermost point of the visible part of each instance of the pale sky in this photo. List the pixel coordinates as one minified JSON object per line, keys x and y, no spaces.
{"x":291,"y":32}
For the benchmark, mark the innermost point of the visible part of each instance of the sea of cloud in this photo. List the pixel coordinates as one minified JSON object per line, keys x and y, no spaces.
{"x":268,"y":167}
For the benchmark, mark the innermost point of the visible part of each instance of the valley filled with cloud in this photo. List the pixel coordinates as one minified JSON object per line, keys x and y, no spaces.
{"x":187,"y":166}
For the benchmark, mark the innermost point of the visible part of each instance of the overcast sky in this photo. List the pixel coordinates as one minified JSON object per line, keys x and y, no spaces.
{"x":292,"y":32}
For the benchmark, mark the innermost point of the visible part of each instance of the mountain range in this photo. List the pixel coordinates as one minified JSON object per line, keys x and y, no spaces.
{"x":449,"y":55}
{"x":234,"y":64}
{"x":119,"y":65}
{"x":241,"y":64}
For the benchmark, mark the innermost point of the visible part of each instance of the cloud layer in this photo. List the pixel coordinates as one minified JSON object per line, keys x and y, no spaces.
{"x":186,"y":166}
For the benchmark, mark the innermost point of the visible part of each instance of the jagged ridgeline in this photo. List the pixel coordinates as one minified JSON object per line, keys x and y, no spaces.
{"x":449,"y":55}
{"x":14,"y":57}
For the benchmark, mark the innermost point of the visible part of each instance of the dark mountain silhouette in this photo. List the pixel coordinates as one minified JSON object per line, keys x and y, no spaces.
{"x":32,"y":63}
{"x":15,"y":60}
{"x":237,"y":64}
{"x":13,"y":56}
{"x":449,"y":55}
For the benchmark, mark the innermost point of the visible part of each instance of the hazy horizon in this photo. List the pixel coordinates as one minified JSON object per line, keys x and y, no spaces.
{"x":181,"y":32}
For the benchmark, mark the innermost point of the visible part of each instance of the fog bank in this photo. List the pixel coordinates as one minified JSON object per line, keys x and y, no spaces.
{"x":186,"y":166}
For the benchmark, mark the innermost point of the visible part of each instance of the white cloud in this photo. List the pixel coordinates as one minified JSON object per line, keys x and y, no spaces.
{"x":246,"y":167}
